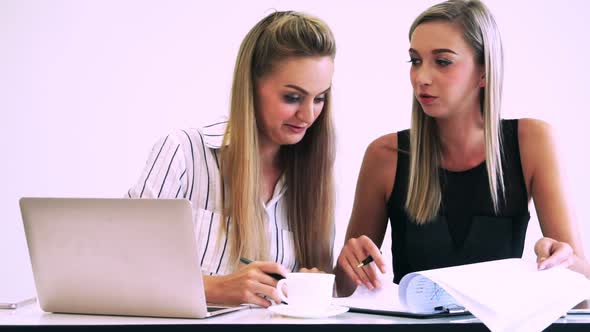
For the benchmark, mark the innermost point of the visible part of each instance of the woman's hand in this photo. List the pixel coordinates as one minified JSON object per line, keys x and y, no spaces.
{"x":552,"y":253}
{"x":250,"y":284}
{"x":354,"y":252}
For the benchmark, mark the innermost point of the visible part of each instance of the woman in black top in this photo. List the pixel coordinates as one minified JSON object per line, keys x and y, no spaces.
{"x":456,"y":186}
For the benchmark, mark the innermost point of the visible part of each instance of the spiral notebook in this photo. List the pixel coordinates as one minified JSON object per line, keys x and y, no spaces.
{"x":385,"y":301}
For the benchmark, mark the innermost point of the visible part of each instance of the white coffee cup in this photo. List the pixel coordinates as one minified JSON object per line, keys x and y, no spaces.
{"x":307,"y":291}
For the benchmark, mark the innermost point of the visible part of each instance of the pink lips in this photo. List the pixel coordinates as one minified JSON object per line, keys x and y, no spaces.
{"x":296,"y":129}
{"x":426,"y":99}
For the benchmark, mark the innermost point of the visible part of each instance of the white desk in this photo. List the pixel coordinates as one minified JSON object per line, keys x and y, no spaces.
{"x":255,"y":319}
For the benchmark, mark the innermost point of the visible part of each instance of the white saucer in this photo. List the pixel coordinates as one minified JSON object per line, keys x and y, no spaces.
{"x":284,"y":309}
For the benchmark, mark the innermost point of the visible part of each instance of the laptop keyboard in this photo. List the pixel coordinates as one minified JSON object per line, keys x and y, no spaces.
{"x":214,"y":309}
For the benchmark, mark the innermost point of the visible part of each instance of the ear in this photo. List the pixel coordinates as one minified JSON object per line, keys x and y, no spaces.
{"x":482,"y":80}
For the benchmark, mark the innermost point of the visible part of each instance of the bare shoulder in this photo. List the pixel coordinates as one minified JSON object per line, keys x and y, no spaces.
{"x":380,"y":163}
{"x":537,"y":147}
{"x":383,"y":149}
{"x":530,"y":131}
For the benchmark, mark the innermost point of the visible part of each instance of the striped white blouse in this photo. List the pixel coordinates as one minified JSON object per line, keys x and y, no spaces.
{"x":185,"y":164}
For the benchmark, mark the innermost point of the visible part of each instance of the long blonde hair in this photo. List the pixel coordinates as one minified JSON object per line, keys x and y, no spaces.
{"x":308,"y":165}
{"x":481,"y":33}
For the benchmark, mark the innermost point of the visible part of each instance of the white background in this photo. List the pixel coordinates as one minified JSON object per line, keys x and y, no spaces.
{"x":86,"y":88}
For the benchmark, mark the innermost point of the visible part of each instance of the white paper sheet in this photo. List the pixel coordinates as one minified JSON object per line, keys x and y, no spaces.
{"x":511,"y":294}
{"x":383,"y":298}
{"x":506,"y":295}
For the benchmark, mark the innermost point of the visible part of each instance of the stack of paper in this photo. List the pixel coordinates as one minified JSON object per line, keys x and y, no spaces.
{"x":506,"y":295}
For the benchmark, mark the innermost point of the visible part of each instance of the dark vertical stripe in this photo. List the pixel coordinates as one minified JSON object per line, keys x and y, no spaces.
{"x":180,"y":185}
{"x":220,"y":178}
{"x":207,"y":168}
{"x":154,"y":164}
{"x":168,"y":170}
{"x":207,"y":243}
{"x":224,"y":245}
{"x":129,"y":193}
{"x":216,"y":160}
{"x":282,"y":239}
{"x":277,"y":234}
{"x":190,"y":196}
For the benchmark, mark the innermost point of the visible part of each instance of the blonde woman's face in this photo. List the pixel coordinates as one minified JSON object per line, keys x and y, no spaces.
{"x":291,"y":97}
{"x":445,"y":78}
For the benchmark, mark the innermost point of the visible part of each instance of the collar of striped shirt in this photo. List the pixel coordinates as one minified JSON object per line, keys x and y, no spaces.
{"x":213,"y":133}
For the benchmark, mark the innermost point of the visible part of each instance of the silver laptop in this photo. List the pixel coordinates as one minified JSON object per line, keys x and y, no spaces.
{"x":134,"y":257}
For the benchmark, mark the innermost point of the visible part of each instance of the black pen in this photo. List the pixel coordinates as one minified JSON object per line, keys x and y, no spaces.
{"x":274,"y":275}
{"x":365,"y":261}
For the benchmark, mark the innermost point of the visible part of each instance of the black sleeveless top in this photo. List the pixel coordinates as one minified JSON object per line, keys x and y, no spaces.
{"x":466,"y":229}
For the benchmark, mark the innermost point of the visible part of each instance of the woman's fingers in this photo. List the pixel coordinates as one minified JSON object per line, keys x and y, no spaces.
{"x":367,"y":272}
{"x":357,"y":250}
{"x":371,"y":249}
{"x":258,"y":281}
{"x":561,"y":254}
{"x":552,"y":253}
{"x":356,"y":255}
{"x":543,"y":249}
{"x":349,"y":269}
{"x":266,"y":290}
{"x":347,"y":262}
{"x":275,"y":270}
{"x":253,"y":298}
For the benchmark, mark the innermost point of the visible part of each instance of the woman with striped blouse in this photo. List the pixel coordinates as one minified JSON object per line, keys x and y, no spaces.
{"x":260,"y":183}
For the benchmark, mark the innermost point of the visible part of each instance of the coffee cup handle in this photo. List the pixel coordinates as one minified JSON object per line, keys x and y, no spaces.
{"x":280,"y":290}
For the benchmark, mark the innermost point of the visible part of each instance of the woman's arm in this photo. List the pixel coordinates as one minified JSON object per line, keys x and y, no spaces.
{"x":562,"y":244}
{"x":368,"y":221}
